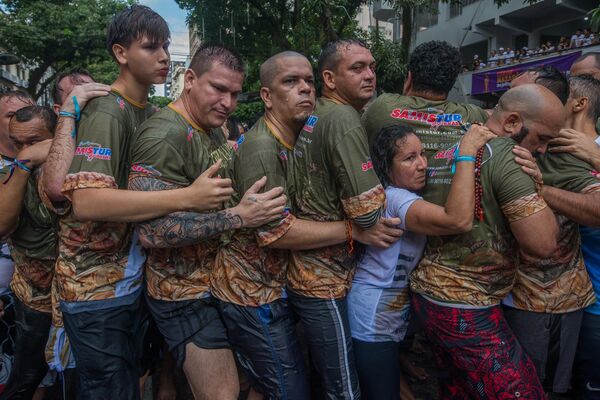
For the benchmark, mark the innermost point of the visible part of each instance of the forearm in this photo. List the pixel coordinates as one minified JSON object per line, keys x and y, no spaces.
{"x":115,"y":205}
{"x":583,"y":208}
{"x":11,"y":198}
{"x":185,"y":228}
{"x":461,"y":199}
{"x":57,"y":165}
{"x":307,"y":235}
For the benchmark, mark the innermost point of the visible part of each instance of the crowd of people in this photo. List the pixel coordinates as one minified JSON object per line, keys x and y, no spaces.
{"x":301,"y":254}
{"x":506,"y":56}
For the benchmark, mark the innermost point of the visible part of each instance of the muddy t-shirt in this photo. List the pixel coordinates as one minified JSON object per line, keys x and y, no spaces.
{"x":334,"y":181}
{"x":246,"y":272}
{"x":477,"y":268}
{"x":558,"y":284}
{"x":439,"y":124}
{"x":174,"y":150}
{"x":100,"y":260}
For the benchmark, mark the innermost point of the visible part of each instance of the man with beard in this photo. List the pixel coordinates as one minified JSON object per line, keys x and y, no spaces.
{"x":173,"y":148}
{"x":571,"y":188}
{"x":334,"y":180}
{"x":424,"y":106}
{"x":462,"y":279}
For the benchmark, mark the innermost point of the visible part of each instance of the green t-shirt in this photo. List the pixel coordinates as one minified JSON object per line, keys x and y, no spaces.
{"x":34,"y":248}
{"x":246,"y":272}
{"x":558,"y":284}
{"x":174,"y":150}
{"x":93,"y":257}
{"x":477,"y":268}
{"x":334,"y":181}
{"x":439,"y":124}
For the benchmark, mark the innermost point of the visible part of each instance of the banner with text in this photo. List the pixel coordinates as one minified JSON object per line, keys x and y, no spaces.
{"x":499,"y":79}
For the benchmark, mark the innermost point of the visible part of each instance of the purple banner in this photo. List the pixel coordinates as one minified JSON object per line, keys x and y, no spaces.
{"x":499,"y":79}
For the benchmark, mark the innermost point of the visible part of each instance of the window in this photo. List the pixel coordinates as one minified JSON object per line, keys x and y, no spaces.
{"x":457,"y":7}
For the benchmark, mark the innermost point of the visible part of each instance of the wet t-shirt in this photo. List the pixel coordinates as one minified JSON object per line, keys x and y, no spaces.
{"x":247,"y":272}
{"x":174,"y":150}
{"x":477,"y":268}
{"x":334,"y":181}
{"x":100,"y":260}
{"x":558,"y":284}
{"x":439,"y":124}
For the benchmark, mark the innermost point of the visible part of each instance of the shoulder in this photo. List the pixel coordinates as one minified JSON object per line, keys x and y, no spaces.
{"x":335,"y":119}
{"x":394,"y":194}
{"x":105,"y":106}
{"x":163,"y":125}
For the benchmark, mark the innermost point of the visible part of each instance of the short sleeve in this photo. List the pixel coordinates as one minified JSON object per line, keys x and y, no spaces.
{"x":514,"y":190}
{"x":156,"y":158}
{"x":253,"y":160}
{"x":96,"y":161}
{"x":564,"y":171}
{"x":360,"y":190}
{"x":398,"y":202}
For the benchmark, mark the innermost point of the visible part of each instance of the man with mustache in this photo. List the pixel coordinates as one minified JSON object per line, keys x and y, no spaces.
{"x":173,"y":148}
{"x":462,"y":279}
{"x":334,"y":180}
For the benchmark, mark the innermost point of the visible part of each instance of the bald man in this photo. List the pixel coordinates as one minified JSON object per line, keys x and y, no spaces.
{"x":462,"y":279}
{"x":249,"y":276}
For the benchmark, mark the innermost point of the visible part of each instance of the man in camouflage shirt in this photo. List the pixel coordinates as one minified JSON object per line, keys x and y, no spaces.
{"x":334,"y":180}
{"x":432,"y":70}
{"x":32,"y":236}
{"x":462,"y":279}
{"x":550,"y":294}
{"x":172,"y":149}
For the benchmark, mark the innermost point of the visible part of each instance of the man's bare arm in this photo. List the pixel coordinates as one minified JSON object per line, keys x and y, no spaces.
{"x":536,"y":234}
{"x":13,"y":191}
{"x":11,"y":198}
{"x":583,"y":208}
{"x":308,"y":235}
{"x":62,"y":151}
{"x":188,"y":228}
{"x":207,"y":192}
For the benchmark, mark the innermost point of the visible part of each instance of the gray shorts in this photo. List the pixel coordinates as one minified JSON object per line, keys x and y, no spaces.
{"x":182,"y":322}
{"x":551,"y":342}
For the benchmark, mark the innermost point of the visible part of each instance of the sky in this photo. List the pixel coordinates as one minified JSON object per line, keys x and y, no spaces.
{"x":175,"y":18}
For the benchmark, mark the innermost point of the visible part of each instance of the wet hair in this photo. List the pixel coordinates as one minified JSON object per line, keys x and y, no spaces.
{"x":74,"y":73}
{"x":17,"y":94}
{"x":587,"y":86}
{"x":28,"y":113}
{"x":330,"y":57}
{"x":270,"y":68}
{"x":385,"y":148}
{"x":133,"y":23}
{"x":594,"y":54}
{"x":434,"y":67}
{"x":552,"y":79}
{"x":212,"y":53}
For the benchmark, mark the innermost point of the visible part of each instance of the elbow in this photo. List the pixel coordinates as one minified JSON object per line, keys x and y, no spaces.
{"x":464,"y":226}
{"x":81,"y":213}
{"x":543,"y":249}
{"x":54,"y":193}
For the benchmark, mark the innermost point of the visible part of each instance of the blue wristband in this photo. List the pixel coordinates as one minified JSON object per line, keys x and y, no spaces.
{"x":462,"y":159}
{"x":77,"y":109}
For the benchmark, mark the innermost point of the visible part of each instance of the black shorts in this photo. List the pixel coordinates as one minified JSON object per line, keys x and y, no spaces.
{"x":106,"y":345}
{"x":189,"y":321}
{"x":267,"y":348}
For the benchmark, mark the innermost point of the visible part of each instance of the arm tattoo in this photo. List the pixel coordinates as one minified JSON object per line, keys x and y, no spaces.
{"x":186,"y":228}
{"x":181,"y":228}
